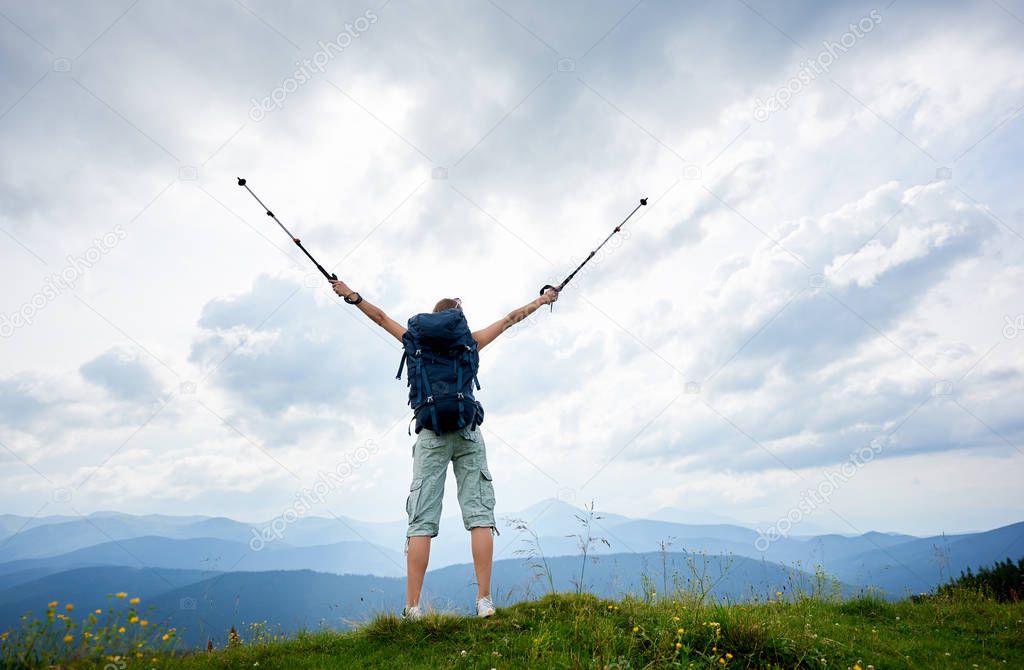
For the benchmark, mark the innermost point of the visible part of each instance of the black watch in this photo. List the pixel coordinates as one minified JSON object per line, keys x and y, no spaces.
{"x":358,"y":299}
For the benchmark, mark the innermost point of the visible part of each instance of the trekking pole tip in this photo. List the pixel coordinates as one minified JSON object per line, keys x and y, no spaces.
{"x":643,"y":201}
{"x":241,"y":181}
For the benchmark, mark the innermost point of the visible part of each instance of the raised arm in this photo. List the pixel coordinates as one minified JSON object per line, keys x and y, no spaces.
{"x":375,"y":314}
{"x":487,"y":335}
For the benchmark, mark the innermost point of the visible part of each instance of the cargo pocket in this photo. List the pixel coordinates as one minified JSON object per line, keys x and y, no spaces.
{"x":486,"y":489}
{"x":413,"y":500}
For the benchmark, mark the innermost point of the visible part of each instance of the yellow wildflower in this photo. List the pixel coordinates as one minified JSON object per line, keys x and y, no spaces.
{"x":143,"y":623}
{"x":121,"y":594}
{"x":69,"y":607}
{"x":165,"y":637}
{"x":99,"y":611}
{"x":679,"y":632}
{"x":52,"y":604}
{"x":68,"y":638}
{"x":636,"y":629}
{"x":135,"y":601}
{"x":729,"y":656}
{"x":679,"y":645}
{"x":721,"y":661}
{"x":121,"y":629}
{"x":133,"y":619}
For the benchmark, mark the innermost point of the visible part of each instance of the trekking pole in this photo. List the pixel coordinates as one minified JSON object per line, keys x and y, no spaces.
{"x":643,"y":201}
{"x":298,"y":243}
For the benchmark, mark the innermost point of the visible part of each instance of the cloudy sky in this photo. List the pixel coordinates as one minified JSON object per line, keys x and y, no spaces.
{"x":822,"y":295}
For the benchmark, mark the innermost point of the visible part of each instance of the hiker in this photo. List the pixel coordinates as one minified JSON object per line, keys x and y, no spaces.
{"x":442,"y":358}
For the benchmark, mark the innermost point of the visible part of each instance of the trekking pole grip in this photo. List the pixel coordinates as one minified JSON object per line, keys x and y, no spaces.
{"x":551,"y":306}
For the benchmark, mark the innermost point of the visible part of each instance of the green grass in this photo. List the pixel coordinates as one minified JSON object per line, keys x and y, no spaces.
{"x":960,"y":630}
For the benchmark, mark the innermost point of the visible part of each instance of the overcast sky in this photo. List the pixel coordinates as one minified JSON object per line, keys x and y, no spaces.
{"x":829,"y":270}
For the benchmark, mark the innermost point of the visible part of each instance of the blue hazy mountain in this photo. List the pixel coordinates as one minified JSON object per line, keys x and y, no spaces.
{"x":14,"y":523}
{"x":35,"y":549}
{"x":68,"y":535}
{"x":27,"y":575}
{"x":90,"y":588}
{"x":703,"y":517}
{"x":916,"y":565}
{"x":211,"y":554}
{"x":51,"y":536}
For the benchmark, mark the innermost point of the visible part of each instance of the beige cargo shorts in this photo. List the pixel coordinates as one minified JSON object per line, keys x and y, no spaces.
{"x":431,"y":453}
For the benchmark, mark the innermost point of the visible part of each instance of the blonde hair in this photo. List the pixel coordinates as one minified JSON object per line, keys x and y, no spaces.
{"x":447,"y":303}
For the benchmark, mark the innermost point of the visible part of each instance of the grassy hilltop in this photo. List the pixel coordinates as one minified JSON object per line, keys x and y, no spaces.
{"x":955,"y":629}
{"x":569,"y":631}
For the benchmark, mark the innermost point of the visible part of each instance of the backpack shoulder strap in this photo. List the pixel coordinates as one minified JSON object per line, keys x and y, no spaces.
{"x":410,"y":344}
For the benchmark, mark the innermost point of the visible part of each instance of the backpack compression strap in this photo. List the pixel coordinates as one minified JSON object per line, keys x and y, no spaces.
{"x":430,"y":397}
{"x":401,"y":364}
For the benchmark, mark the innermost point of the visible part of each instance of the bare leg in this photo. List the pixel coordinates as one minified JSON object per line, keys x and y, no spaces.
{"x":416,"y":564}
{"x":483,"y":554}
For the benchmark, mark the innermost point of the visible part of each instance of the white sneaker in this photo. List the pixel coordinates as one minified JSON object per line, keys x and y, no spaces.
{"x":484,"y":607}
{"x":412,"y":613}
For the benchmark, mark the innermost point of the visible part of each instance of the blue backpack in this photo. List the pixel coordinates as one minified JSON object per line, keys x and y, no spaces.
{"x":442,"y":361}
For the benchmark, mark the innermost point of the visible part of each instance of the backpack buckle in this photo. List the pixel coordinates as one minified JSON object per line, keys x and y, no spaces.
{"x":419,"y":352}
{"x":459,"y":396}
{"x":430,"y":399}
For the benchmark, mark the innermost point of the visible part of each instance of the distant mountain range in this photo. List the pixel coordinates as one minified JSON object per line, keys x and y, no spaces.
{"x":328,"y":571}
